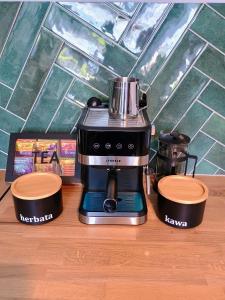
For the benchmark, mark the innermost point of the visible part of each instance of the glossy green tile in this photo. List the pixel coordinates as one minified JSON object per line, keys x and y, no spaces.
{"x":173,"y":72}
{"x":154,"y":141}
{"x":220,"y":172}
{"x":212,"y":63}
{"x":89,"y":41}
{"x":217,"y":156}
{"x":7,"y":13}
{"x":214,"y":97}
{"x":127,"y":7}
{"x":9,"y":122}
{"x":220,"y":7}
{"x":206,"y":168}
{"x":211,"y":27}
{"x":5,"y":94}
{"x":180,"y":101}
{"x":193,"y":120}
{"x":165,"y":40}
{"x":66,"y":117}
{"x":20,"y":40}
{"x":3,"y":160}
{"x":143,"y":26}
{"x":153,"y":159}
{"x":82,"y":92}
{"x":215,"y":127}
{"x":4,"y":141}
{"x":101,"y":16}
{"x":49,"y":100}
{"x":199,"y":146}
{"x":34,"y":74}
{"x":84,"y":68}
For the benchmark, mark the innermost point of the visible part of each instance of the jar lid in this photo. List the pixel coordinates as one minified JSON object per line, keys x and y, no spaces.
{"x":174,"y":137}
{"x":183,"y":189}
{"x":36,"y":185}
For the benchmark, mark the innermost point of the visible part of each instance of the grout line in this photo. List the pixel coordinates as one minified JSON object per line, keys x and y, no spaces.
{"x":209,"y":77}
{"x":180,"y":82}
{"x":80,"y":79}
{"x":201,"y":160}
{"x":215,"y":11}
{"x":81,"y":106}
{"x":176,"y":46}
{"x":116,"y":9}
{"x":210,"y":44}
{"x":153,"y":150}
{"x":153,"y":156}
{"x":2,"y":83}
{"x":41,"y":89}
{"x":59,"y":106}
{"x":75,"y":48}
{"x":77,"y":102}
{"x":28,"y":56}
{"x":220,"y":169}
{"x":74,"y":126}
{"x":167,"y":11}
{"x":93,"y":88}
{"x":220,"y":143}
{"x":192,"y":104}
{"x":97,"y":31}
{"x":4,"y":131}
{"x":1,"y":151}
{"x":130,"y":24}
{"x":203,"y":157}
{"x":214,"y":165}
{"x":215,"y":173}
{"x":11,"y":28}
{"x":8,"y":111}
{"x":208,"y":107}
{"x":201,"y":127}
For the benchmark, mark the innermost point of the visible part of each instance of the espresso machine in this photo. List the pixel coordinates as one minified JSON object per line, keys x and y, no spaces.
{"x":113,"y":149}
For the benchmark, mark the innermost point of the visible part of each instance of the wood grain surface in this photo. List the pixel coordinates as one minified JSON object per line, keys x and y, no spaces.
{"x":65,"y":259}
{"x":3,"y":185}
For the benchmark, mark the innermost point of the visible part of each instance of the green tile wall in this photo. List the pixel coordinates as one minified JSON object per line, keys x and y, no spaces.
{"x":54,"y":56}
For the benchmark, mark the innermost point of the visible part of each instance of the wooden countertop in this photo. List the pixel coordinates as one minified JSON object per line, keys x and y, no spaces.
{"x":65,"y":259}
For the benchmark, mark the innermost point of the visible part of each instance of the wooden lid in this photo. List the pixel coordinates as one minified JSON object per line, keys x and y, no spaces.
{"x":183,"y":189}
{"x":35,"y":186}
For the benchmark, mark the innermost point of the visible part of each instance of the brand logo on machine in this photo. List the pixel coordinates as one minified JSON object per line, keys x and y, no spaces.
{"x":113,"y":160}
{"x":35,"y":219}
{"x":175,"y":222}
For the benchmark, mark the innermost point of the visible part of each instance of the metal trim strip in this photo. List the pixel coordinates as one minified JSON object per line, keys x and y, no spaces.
{"x":128,"y":161}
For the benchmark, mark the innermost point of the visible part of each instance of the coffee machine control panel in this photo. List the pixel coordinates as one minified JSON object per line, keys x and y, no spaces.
{"x":116,"y":143}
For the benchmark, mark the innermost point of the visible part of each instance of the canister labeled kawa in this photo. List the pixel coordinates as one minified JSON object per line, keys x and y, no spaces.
{"x":37,"y":197}
{"x":181,"y":201}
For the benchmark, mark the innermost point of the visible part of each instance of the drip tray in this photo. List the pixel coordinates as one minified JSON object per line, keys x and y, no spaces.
{"x":131,"y":209}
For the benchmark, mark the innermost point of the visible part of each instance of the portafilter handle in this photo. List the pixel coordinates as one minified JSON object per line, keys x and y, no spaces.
{"x":110,"y":203}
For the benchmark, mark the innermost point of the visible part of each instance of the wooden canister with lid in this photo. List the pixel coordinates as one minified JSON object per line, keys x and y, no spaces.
{"x":37,"y":197}
{"x":181,"y":201}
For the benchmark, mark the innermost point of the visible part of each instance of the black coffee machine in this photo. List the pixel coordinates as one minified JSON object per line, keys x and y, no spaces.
{"x":112,"y":152}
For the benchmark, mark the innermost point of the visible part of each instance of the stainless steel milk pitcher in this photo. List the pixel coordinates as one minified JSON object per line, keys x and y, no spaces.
{"x":124,"y":98}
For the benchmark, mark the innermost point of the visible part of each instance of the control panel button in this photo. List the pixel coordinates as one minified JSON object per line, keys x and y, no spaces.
{"x":107,"y":146}
{"x":96,"y":146}
{"x":130,"y":146}
{"x":119,"y":146}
